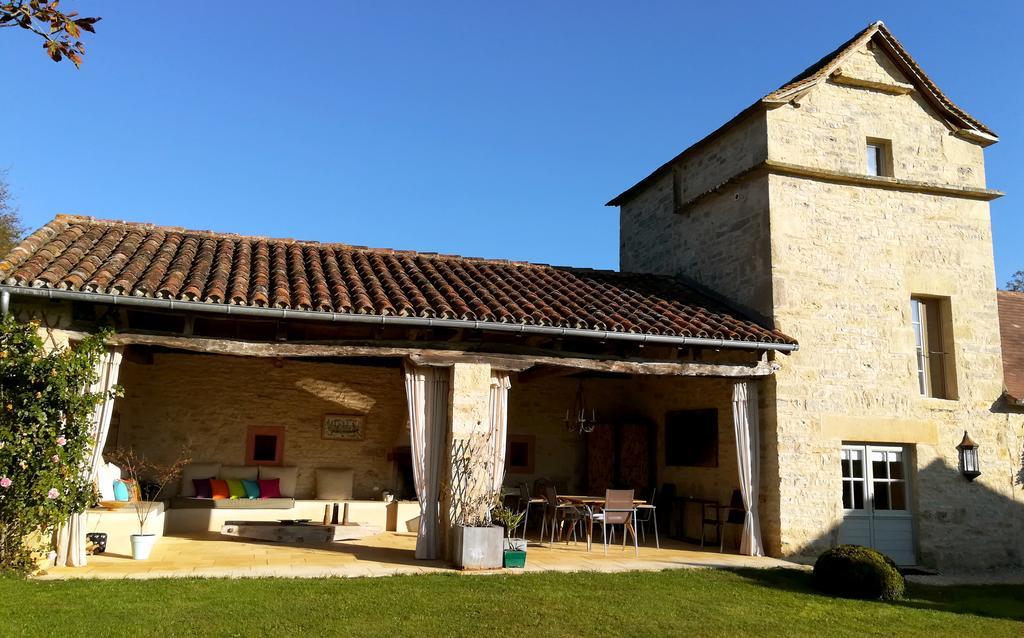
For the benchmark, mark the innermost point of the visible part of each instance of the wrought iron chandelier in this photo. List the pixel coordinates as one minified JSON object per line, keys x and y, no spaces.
{"x":576,"y":418}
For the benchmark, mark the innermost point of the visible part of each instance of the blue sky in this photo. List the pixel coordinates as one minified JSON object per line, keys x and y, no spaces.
{"x":468,"y":128}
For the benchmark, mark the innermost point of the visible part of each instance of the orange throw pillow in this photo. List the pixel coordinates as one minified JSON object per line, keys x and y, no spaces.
{"x":219,"y":489}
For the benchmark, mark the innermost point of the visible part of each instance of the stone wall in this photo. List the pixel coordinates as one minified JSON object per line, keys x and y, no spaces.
{"x":212,"y":400}
{"x":830,"y":127}
{"x":721,"y":241}
{"x":854,"y":378}
{"x":844,"y":261}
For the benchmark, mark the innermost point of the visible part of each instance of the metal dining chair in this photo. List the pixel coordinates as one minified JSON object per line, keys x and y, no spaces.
{"x":732,"y":514}
{"x":525,"y":501}
{"x":618,"y":510}
{"x":646,"y":514}
{"x":573,"y":516}
{"x":550,"y":512}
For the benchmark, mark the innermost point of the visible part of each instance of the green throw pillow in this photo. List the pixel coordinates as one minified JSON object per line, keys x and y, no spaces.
{"x":235,"y":488}
{"x":252,"y":488}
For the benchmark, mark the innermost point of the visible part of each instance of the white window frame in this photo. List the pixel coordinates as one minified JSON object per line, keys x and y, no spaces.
{"x":878,"y":157}
{"x":868,"y":480}
{"x":918,"y":320}
{"x":876,"y":160}
{"x":931,"y":348}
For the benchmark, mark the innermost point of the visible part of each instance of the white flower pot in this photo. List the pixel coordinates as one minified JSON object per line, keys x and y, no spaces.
{"x":477,"y":547}
{"x":515,"y":544}
{"x":142,"y":545}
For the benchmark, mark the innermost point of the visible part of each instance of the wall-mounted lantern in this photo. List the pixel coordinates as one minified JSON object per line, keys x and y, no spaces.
{"x":969,"y":465}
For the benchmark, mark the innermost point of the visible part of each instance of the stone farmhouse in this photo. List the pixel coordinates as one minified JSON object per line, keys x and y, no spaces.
{"x":806,"y":314}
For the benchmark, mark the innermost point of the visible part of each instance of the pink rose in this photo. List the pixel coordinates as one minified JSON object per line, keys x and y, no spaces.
{"x":54,"y":458}
{"x":61,"y":441}
{"x":53,"y":493}
{"x":5,"y":482}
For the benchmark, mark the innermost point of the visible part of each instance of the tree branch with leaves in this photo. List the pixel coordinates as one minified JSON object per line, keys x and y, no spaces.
{"x":1016,"y":283}
{"x":11,"y":229}
{"x":60,"y":31}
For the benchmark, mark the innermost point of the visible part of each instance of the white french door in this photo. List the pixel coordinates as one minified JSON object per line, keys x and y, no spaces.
{"x":876,"y":501}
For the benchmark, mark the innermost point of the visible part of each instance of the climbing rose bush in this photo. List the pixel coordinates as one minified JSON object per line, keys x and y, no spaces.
{"x":45,"y":422}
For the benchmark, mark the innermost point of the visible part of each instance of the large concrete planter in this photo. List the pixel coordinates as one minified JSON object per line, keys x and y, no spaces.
{"x":477,"y":547}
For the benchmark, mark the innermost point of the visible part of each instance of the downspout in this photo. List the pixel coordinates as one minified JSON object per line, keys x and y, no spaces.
{"x":5,"y":303}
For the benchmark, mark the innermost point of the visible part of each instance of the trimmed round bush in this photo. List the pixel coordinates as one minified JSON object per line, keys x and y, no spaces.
{"x":852,"y":571}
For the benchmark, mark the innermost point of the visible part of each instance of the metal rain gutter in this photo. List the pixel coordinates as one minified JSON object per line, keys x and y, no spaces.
{"x":387,"y":320}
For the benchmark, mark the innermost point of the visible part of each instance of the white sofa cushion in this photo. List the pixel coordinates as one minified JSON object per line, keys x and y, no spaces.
{"x":106,"y":474}
{"x":239,"y":472}
{"x":335,"y":485}
{"x":196,"y":471}
{"x":285,"y":475}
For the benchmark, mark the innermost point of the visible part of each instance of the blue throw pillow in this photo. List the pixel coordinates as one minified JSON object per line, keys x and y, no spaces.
{"x":121,"y":491}
{"x":252,"y":488}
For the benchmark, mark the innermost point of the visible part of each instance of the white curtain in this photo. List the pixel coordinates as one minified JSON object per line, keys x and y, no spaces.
{"x":748,"y":453}
{"x":70,"y":538}
{"x":498,"y":427}
{"x":426,"y":390}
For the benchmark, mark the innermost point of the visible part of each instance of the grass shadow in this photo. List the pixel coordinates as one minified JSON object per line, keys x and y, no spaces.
{"x":988,"y":601}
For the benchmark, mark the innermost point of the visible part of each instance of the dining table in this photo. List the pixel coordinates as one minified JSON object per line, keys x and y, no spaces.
{"x":568,"y":500}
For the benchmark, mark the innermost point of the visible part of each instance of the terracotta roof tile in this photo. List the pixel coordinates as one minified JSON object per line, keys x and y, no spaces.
{"x":1011,"y":331}
{"x":124,"y":258}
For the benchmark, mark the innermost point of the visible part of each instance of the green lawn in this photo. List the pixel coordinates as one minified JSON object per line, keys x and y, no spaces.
{"x":671,"y":603}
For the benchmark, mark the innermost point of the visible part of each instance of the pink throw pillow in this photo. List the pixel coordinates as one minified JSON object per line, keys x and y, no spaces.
{"x":270,"y":488}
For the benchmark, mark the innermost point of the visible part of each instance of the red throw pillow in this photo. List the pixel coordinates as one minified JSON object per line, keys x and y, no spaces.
{"x":270,"y":488}
{"x":203,"y":488}
{"x":219,"y":489}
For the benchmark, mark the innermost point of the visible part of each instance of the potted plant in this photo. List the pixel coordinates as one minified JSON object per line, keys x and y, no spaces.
{"x":476,"y":543}
{"x":515,"y":548}
{"x":134,"y":466}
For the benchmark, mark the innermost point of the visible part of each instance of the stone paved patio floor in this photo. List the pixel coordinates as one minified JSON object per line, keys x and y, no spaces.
{"x":386,"y":554}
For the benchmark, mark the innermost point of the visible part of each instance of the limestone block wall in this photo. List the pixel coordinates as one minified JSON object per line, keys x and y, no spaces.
{"x":537,"y":409}
{"x":842,"y":262}
{"x":831,"y":125}
{"x":722,"y":240}
{"x":854,"y":377}
{"x":211,"y":401}
{"x":845,"y":263}
{"x":872,"y":64}
{"x":466,"y":489}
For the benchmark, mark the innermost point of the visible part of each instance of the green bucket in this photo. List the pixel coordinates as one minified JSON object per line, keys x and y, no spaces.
{"x":515,"y":559}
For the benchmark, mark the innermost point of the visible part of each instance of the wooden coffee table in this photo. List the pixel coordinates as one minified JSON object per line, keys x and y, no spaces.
{"x":278,"y":532}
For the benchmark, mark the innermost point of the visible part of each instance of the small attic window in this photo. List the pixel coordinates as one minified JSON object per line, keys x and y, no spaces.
{"x":879,"y":157}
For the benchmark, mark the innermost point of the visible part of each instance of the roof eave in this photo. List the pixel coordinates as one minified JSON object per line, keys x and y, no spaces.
{"x":383,"y":320}
{"x":981,"y":138}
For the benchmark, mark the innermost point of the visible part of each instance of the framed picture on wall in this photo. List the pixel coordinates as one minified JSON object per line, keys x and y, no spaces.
{"x":519,"y":454}
{"x":343,"y":427}
{"x":264,"y":445}
{"x":691,"y":438}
